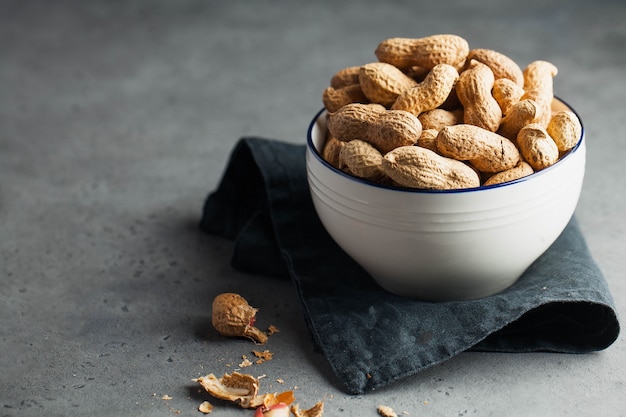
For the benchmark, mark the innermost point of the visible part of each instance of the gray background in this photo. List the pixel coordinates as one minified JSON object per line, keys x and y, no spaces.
{"x":116,"y":119}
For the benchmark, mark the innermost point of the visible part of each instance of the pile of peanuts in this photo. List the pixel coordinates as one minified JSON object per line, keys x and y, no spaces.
{"x":432,"y":113}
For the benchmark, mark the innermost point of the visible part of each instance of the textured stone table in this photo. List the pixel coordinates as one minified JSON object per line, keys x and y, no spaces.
{"x":116,"y":120}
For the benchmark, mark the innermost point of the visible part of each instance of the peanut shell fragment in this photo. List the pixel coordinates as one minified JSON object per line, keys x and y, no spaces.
{"x":239,"y":388}
{"x":232,"y":316}
{"x":386,"y":411}
{"x":316,"y":411}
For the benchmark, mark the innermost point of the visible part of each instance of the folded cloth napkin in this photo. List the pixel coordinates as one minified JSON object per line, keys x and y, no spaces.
{"x":372,"y":337}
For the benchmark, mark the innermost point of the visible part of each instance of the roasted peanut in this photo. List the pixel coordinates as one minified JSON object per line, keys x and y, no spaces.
{"x":417,"y":73}
{"x":439,"y":118}
{"x":519,"y":115}
{"x":384,"y":129}
{"x":474,"y":91}
{"x":330,"y":152}
{"x":521,"y":170}
{"x":428,"y":139}
{"x":424,"y":52}
{"x":506,"y":93}
{"x":430,"y":93}
{"x":336,"y":98}
{"x":502,"y":66}
{"x":417,"y":167}
{"x":537,"y":147}
{"x":382,"y":83}
{"x":476,"y":107}
{"x":565,"y":128}
{"x":345,"y":77}
{"x":485,"y":150}
{"x":352,"y":120}
{"x":362,"y":160}
{"x":539,"y":86}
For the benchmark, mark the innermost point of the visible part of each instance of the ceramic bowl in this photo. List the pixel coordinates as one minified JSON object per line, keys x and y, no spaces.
{"x":444,"y":245}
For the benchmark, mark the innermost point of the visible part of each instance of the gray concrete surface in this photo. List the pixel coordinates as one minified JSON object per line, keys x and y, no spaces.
{"x":116,"y":118}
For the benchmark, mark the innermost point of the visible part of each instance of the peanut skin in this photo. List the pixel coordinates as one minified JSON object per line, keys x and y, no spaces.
{"x":486,"y":151}
{"x":417,"y":167}
{"x":233,"y":316}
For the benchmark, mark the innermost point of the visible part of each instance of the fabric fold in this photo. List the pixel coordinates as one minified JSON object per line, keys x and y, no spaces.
{"x":371,"y":337}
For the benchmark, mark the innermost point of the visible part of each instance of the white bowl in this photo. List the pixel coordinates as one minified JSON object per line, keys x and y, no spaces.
{"x":444,"y":245}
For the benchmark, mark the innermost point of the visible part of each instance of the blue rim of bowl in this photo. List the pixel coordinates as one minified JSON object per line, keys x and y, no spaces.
{"x":316,"y":153}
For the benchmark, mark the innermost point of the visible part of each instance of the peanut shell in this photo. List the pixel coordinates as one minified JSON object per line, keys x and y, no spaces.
{"x":439,"y":118}
{"x":522,"y":169}
{"x":382,"y":83}
{"x":565,"y":128}
{"x":537,"y":147}
{"x":506,"y":93}
{"x":473,"y":89}
{"x":417,"y":167}
{"x":502,"y":66}
{"x":362,"y":160}
{"x":486,"y":151}
{"x":345,"y":77}
{"x":336,"y":98}
{"x":430,"y":93}
{"x":384,"y":129}
{"x":426,"y":52}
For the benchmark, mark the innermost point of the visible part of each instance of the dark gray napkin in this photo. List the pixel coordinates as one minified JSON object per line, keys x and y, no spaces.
{"x":371,"y":337}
